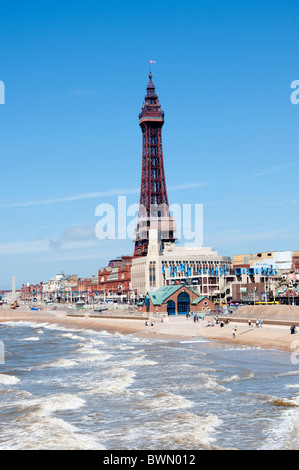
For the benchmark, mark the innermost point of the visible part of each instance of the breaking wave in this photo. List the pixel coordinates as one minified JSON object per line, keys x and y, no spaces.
{"x":188,"y":430}
{"x":116,"y":380}
{"x":6,"y":379}
{"x":167,"y":401}
{"x":42,"y":430}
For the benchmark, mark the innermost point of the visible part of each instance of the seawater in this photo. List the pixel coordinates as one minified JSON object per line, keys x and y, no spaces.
{"x":82,"y":389}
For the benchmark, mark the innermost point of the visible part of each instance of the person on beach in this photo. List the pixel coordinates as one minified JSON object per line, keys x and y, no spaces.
{"x":293,"y":329}
{"x":249,"y":323}
{"x":234,"y":332}
{"x":257,"y":323}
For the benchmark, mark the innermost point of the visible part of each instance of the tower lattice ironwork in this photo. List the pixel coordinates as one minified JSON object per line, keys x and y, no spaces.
{"x":153,"y":206}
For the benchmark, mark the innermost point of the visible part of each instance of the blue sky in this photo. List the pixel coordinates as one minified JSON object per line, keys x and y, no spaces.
{"x":75,"y":76}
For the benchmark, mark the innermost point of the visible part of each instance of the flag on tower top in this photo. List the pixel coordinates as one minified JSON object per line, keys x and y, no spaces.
{"x":152,"y":61}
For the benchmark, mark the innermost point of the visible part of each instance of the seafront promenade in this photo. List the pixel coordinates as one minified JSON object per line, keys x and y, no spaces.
{"x":272,"y":335}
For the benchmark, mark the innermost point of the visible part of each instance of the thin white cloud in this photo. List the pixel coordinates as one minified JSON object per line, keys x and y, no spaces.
{"x":73,"y":238}
{"x":78,"y":197}
{"x":43,"y":245}
{"x":81,"y":233}
{"x":231,"y":237}
{"x":265,"y":172}
{"x":73,"y":256}
{"x":186,"y":186}
{"x":93,"y":195}
{"x":82,"y":92}
{"x":23,"y":247}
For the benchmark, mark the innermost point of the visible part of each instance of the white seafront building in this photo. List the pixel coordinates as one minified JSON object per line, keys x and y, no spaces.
{"x":59,"y":286}
{"x":282,"y":261}
{"x":198,"y":266}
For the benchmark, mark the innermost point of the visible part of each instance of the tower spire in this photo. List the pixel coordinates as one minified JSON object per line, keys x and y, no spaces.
{"x":153,"y":206}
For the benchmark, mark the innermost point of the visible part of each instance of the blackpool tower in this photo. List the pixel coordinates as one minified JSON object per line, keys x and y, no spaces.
{"x":153,"y":206}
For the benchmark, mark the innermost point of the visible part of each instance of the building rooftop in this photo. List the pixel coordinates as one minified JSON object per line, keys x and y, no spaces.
{"x":159,"y":296}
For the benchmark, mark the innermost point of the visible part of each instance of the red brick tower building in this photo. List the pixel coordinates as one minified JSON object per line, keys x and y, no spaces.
{"x":115,"y":279}
{"x":153,"y":206}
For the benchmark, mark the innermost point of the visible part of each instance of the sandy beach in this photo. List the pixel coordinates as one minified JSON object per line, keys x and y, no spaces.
{"x":172,"y":328}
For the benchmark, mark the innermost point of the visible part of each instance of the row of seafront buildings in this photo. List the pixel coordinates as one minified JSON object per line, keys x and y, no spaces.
{"x":259,"y":277}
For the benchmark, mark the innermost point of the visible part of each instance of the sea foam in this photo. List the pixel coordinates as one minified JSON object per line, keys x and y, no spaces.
{"x":168,"y":401}
{"x":8,"y":379}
